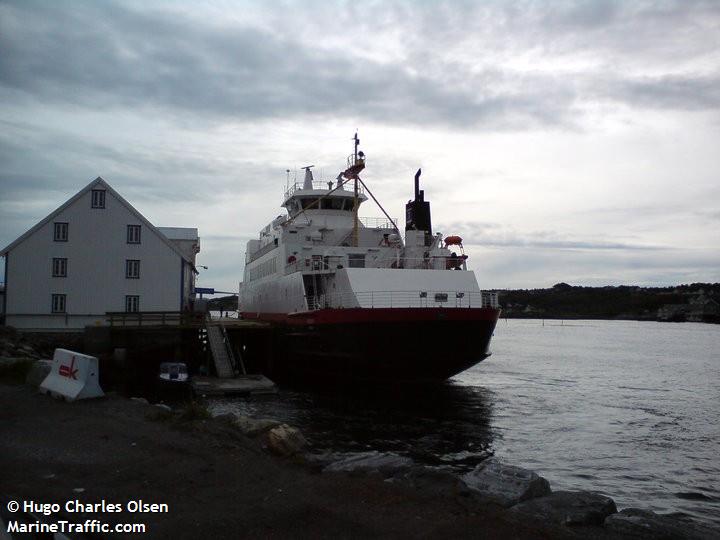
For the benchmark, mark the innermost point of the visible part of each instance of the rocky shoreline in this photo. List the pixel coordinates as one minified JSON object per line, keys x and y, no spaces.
{"x":495,"y":499}
{"x":523,"y":492}
{"x":216,"y":481}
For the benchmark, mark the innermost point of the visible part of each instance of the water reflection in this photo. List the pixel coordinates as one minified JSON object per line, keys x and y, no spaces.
{"x":625,"y":408}
{"x":446,"y":425}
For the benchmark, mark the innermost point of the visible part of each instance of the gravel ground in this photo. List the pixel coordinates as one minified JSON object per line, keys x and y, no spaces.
{"x":216,"y":482}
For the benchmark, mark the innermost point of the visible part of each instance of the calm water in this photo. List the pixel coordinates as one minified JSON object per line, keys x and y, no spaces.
{"x":631,"y":409}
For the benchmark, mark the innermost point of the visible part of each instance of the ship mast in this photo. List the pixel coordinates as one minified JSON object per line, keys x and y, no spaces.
{"x":356,"y":204}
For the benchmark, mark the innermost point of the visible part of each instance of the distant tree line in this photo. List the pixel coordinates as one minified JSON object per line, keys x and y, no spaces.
{"x":563,"y":301}
{"x":224,"y":303}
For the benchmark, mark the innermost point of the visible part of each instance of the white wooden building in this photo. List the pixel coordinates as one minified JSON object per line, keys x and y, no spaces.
{"x":96,"y":254}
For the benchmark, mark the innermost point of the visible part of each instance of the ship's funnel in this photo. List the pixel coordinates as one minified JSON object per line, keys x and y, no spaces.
{"x":417,"y":212}
{"x":308,"y":184}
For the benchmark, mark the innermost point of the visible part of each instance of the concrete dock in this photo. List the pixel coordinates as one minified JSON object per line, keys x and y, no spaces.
{"x":242,"y":385}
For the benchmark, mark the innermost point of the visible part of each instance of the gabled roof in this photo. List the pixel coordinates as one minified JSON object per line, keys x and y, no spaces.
{"x":180,"y":233}
{"x":98,"y":182}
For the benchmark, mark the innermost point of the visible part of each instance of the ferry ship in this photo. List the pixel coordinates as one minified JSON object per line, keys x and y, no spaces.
{"x":350,"y":298}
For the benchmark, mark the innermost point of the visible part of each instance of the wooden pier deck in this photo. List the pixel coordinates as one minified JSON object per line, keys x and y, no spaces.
{"x":143,"y":340}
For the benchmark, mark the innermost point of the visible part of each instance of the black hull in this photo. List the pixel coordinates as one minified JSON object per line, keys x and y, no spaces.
{"x":386,"y":352}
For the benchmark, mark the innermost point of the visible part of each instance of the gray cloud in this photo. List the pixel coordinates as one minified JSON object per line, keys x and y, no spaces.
{"x":498,"y":235}
{"x":107,"y":55}
{"x":132,"y":167}
{"x":516,"y":267}
{"x":100,"y":55}
{"x":160,"y":101}
{"x":690,"y":93}
{"x":226,"y":237}
{"x":712,"y":215}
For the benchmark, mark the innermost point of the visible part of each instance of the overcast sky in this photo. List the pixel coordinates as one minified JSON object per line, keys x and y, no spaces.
{"x":564,"y":141}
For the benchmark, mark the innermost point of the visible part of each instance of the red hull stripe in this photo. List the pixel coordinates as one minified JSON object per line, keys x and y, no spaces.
{"x":377,"y":315}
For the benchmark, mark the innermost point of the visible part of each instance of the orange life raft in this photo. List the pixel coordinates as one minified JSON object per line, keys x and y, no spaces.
{"x":453,"y":241}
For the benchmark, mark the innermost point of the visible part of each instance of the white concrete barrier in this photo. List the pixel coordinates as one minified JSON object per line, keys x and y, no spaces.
{"x":73,"y":376}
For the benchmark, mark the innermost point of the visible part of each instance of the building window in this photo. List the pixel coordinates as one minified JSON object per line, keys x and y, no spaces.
{"x":98,"y":198}
{"x":133,"y":234}
{"x":58,"y":303}
{"x":59,"y":267}
{"x":132,"y":304}
{"x":60,"y":233}
{"x":132,"y":269}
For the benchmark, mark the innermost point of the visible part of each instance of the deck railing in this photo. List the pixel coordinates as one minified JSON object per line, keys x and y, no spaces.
{"x":377,"y":222}
{"x":405,"y":299}
{"x":319,"y":185}
{"x":154,"y":318}
{"x":330,"y":264}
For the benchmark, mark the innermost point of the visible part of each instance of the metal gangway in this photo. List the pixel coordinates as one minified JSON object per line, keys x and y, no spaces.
{"x":222,"y":352}
{"x":232,"y":376}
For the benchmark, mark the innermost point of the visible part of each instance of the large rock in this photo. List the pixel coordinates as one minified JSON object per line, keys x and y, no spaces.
{"x":250,"y":427}
{"x":505,"y":485}
{"x":570,"y":507}
{"x":8,"y":362}
{"x":37,"y":372}
{"x":15,"y":369}
{"x":27,"y":350}
{"x":254,"y":426}
{"x":433,"y":482}
{"x":6,"y":348}
{"x":643,"y":524}
{"x":285,"y":440}
{"x":385,"y":463}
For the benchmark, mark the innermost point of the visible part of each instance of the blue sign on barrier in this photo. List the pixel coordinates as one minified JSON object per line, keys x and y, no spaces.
{"x":204,"y":290}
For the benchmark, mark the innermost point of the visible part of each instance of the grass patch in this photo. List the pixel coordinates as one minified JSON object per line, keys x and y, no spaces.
{"x":160,"y":415}
{"x":194,"y":411}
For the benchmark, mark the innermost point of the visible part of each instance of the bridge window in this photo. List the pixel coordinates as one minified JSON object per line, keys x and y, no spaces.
{"x":332,"y":203}
{"x":309,"y":204}
{"x":336,"y":203}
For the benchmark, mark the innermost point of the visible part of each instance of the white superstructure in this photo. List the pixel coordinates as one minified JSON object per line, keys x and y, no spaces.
{"x":321,"y":255}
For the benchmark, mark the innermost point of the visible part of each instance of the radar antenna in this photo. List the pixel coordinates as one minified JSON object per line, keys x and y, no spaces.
{"x":308,"y":183}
